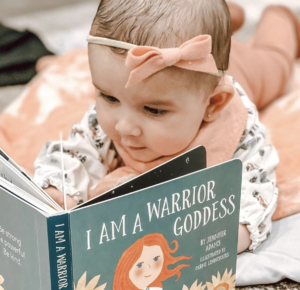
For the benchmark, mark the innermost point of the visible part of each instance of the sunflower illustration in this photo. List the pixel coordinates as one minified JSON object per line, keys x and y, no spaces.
{"x":226,"y":282}
{"x":81,"y":285}
{"x":195,"y":286}
{"x":1,"y":282}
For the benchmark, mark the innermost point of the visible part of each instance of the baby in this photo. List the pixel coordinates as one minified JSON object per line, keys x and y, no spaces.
{"x":160,"y":73}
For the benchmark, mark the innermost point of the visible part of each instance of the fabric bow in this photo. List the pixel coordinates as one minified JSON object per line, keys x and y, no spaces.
{"x":194,"y":54}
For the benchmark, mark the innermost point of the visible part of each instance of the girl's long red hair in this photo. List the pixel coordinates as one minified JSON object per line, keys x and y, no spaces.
{"x":131,"y":255}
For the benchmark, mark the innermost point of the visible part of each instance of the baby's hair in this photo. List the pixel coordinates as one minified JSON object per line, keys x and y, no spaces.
{"x":167,"y":23}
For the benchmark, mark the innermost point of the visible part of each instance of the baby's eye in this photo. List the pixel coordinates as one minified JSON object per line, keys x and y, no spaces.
{"x":156,"y":258}
{"x":155,"y":112}
{"x":109,"y":99}
{"x":139,"y":265}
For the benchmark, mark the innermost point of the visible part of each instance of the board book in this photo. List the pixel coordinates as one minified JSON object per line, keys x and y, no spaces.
{"x":173,"y":227}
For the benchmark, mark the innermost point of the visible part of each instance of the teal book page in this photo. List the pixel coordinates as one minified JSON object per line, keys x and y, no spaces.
{"x":24,"y":254}
{"x":181,"y":234}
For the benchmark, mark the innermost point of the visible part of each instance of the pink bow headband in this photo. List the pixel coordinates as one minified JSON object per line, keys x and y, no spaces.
{"x":143,"y":61}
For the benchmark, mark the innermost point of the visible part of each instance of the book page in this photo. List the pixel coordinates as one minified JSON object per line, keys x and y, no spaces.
{"x":26,"y":197}
{"x":21,"y":179}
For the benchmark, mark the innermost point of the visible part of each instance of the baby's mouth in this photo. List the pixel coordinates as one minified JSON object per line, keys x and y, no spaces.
{"x":147,"y":276}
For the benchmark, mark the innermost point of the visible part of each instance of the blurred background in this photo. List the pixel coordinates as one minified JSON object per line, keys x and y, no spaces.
{"x":60,"y":26}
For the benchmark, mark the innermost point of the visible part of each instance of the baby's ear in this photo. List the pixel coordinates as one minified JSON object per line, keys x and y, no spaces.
{"x":218,"y":99}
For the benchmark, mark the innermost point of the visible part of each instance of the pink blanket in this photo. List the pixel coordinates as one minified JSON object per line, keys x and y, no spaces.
{"x":59,"y":96}
{"x":282,"y":119}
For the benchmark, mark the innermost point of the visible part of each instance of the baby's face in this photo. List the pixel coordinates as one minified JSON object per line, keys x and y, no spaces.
{"x":157,"y":117}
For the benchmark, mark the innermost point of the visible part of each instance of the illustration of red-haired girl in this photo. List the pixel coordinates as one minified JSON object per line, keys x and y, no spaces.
{"x":145,"y":264}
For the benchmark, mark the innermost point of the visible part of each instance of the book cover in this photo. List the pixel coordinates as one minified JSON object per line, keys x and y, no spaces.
{"x":173,"y":235}
{"x":24,"y":251}
{"x":193,"y":216}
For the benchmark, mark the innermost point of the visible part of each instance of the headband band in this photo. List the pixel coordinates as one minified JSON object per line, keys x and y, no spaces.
{"x":143,"y":61}
{"x":110,"y":42}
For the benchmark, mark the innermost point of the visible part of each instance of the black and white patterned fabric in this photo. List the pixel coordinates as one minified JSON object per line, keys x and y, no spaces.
{"x":88,"y":155}
{"x":259,"y":189}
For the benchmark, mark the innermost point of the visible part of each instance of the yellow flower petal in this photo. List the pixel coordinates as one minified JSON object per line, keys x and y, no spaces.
{"x":209,"y":286}
{"x":92,"y":284}
{"x":81,"y":282}
{"x":200,"y":287}
{"x":1,"y":288}
{"x":226,"y":279}
{"x":194,"y":286}
{"x":231,"y":281}
{"x":215,"y":280}
{"x":102,"y":287}
{"x":1,"y":279}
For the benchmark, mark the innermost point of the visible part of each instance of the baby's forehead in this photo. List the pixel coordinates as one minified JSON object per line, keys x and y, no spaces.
{"x":101,"y":55}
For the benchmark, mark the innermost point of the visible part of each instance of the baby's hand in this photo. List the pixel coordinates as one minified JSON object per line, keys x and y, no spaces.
{"x":113,"y":179}
{"x":58,"y":197}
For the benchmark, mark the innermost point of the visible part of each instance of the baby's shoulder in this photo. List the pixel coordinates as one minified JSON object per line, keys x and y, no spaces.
{"x":252,"y":110}
{"x":254,"y":134}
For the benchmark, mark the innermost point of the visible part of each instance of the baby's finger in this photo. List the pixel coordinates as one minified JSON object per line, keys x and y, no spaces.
{"x":56,"y":195}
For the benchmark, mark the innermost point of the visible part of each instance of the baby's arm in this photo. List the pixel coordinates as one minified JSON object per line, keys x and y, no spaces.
{"x":113,"y":179}
{"x":88,"y":156}
{"x":259,"y":191}
{"x":59,"y":198}
{"x":244,"y":240}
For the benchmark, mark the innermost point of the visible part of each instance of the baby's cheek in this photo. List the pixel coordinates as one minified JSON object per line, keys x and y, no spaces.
{"x":107,"y":124}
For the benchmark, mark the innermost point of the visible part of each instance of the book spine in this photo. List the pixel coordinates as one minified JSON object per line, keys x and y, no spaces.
{"x":60,"y":252}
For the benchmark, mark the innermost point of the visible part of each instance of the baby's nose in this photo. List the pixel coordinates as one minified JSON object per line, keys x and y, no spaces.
{"x":128,"y":127}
